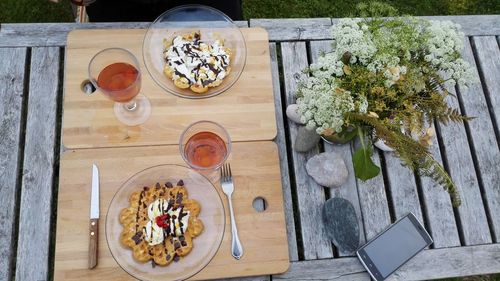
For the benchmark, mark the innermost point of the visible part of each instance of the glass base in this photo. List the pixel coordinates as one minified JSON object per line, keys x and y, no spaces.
{"x":211,"y":175}
{"x":137,"y":114}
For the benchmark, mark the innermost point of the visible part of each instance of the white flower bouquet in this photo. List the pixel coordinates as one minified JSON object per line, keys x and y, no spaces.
{"x":388,"y":80}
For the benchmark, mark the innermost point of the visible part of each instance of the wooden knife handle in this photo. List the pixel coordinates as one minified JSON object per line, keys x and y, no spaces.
{"x":93,"y":231}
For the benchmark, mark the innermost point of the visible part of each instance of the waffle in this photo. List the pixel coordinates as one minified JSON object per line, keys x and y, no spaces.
{"x":196,"y":65}
{"x":160,"y":223}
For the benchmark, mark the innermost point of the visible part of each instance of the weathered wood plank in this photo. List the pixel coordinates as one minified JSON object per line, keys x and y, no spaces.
{"x":373,"y":200}
{"x":328,"y":269}
{"x":488,"y":55}
{"x":295,"y":29}
{"x":438,"y":209}
{"x":310,"y":195}
{"x":349,"y":190}
{"x":36,"y":196}
{"x":11,"y":95}
{"x":471,"y":25}
{"x":451,"y":262}
{"x":54,"y":34}
{"x":402,"y":187}
{"x":485,"y":145}
{"x":429,"y":264}
{"x":473,"y":223}
{"x":474,"y":24}
{"x":281,"y":142}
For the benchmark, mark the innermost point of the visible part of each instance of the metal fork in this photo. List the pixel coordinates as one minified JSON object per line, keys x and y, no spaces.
{"x":226,"y":180}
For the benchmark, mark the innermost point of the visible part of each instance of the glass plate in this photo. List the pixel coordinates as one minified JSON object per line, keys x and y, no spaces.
{"x":205,"y":246}
{"x":212,"y":24}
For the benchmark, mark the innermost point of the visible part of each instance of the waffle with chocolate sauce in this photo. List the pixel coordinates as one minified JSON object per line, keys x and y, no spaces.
{"x":194,"y":64}
{"x":160,"y":223}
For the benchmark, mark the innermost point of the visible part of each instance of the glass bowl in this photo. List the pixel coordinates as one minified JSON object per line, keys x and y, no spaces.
{"x":205,"y":246}
{"x":212,"y":24}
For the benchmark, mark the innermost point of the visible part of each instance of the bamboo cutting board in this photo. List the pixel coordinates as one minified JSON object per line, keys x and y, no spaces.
{"x":246,"y":110}
{"x":256,"y":173}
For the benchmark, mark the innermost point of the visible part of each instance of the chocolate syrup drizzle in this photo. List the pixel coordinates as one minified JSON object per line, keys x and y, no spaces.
{"x":187,"y":48}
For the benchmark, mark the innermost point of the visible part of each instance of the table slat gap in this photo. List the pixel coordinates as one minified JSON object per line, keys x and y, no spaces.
{"x":310,"y":195}
{"x":454,"y":146}
{"x":283,"y":154}
{"x":37,"y":180}
{"x":58,"y":151}
{"x":438,"y":211}
{"x":487,"y":58}
{"x":402,"y":187}
{"x":12,"y":109}
{"x":483,"y":143}
{"x":373,"y":200}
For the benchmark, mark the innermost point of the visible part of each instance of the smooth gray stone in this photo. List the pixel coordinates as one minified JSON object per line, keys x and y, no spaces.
{"x":328,"y":169}
{"x":293,"y":114}
{"x":341,"y":224}
{"x":306,"y":139}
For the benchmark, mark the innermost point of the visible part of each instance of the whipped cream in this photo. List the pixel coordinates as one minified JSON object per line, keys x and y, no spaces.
{"x":153,"y":234}
{"x":178,"y":221}
{"x":200,"y":63}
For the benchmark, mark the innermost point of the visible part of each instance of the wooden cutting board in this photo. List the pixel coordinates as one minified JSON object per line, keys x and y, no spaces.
{"x":246,"y":110}
{"x":256,"y":173}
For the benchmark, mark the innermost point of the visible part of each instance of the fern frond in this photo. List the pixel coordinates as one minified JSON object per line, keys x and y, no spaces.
{"x":451,"y":114}
{"x":413,"y":155}
{"x":429,"y":167}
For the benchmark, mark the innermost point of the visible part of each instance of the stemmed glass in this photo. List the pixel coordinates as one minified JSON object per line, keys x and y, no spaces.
{"x":116,"y":73}
{"x":205,"y":146}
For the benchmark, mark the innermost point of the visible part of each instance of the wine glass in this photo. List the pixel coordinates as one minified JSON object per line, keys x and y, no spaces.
{"x":116,"y":73}
{"x":205,"y":146}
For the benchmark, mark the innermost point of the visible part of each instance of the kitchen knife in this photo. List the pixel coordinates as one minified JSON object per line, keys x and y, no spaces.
{"x":94,"y":218}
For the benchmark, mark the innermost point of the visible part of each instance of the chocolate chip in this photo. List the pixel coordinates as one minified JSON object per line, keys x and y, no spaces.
{"x":184,"y":244}
{"x":169,"y":184}
{"x":180,"y":183}
{"x":182,"y":238}
{"x":157,"y":185}
{"x":162,"y":193}
{"x":176,"y":258}
{"x":169,"y":257}
{"x":153,"y":263}
{"x":177,"y":245}
{"x":146,"y":188}
{"x":137,"y":237}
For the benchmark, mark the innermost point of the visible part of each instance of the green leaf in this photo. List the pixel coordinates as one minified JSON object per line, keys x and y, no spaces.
{"x":364,"y":168}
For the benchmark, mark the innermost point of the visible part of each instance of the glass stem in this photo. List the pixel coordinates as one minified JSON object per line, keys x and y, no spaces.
{"x":131,"y":105}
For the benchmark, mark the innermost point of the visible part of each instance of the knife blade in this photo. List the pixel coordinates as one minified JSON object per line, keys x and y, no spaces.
{"x":94,"y":218}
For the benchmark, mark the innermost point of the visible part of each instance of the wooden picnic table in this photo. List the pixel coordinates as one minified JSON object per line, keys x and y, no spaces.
{"x":466,"y":239}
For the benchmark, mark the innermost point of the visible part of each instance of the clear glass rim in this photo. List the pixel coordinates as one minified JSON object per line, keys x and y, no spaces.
{"x":199,"y":6}
{"x":228,"y":148}
{"x":134,"y":58}
{"x":200,"y":96}
{"x":178,"y":166}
